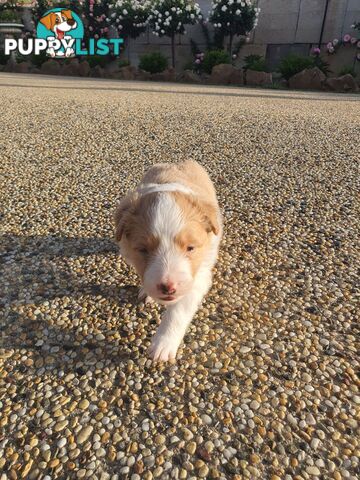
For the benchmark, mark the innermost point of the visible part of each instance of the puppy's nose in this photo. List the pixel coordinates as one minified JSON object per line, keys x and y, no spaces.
{"x":71,"y":22}
{"x":167,"y":288}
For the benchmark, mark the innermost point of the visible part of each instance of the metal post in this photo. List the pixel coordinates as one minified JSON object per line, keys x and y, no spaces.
{"x":323,"y":22}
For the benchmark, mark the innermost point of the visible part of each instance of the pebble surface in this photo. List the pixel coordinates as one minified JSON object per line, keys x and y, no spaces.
{"x":265,"y":386}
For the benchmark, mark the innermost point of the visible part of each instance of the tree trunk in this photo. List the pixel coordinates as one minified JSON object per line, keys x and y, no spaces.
{"x":173,"y":49}
{"x":230,"y":43}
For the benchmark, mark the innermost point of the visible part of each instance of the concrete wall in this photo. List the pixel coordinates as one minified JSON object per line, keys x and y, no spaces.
{"x":284,"y":25}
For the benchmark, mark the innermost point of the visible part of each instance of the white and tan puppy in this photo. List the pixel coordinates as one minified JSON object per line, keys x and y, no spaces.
{"x":169,"y":229}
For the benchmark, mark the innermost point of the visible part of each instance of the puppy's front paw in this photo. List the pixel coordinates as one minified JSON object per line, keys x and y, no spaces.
{"x":163,"y":347}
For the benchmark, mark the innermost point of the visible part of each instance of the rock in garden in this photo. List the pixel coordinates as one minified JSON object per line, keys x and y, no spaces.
{"x":225,"y":74}
{"x":51,"y":67}
{"x":344,"y":84}
{"x":308,"y":79}
{"x":255,"y":78}
{"x":188,"y":76}
{"x":168,"y":75}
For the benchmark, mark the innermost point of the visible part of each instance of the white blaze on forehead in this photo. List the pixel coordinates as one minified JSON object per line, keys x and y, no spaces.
{"x":167,"y":263}
{"x":167,"y":219}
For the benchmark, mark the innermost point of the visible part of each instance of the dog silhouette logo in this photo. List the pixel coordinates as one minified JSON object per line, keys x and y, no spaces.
{"x":61,"y":28}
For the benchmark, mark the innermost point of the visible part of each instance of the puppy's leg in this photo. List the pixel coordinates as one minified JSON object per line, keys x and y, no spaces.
{"x":177,"y":318}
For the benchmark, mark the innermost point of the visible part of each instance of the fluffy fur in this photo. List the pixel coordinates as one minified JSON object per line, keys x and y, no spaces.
{"x":169,"y":229}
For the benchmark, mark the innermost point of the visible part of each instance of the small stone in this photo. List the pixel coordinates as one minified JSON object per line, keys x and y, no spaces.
{"x":191,"y":448}
{"x":244,"y":349}
{"x":187,"y":434}
{"x":160,"y":439}
{"x":203,"y":471}
{"x":84,"y":404}
{"x":313,"y":470}
{"x":206,"y":419}
{"x":84,"y":434}
{"x":62,"y":442}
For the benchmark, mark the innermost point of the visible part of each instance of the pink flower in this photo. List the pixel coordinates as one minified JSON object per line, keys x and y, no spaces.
{"x":347,"y":38}
{"x":353,"y":40}
{"x":197,"y":61}
{"x":198,"y":55}
{"x":316,"y":51}
{"x":329,"y":45}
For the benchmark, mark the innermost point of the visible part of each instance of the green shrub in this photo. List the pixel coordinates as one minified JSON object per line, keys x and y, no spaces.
{"x":347,"y":71}
{"x":214,"y":57}
{"x":255,"y":62}
{"x":38,"y":60}
{"x":322,"y":65}
{"x":95,"y":60}
{"x":293,"y":64}
{"x":10,"y":16}
{"x":188,"y":66}
{"x":153,"y":62}
{"x":3,"y":58}
{"x":123,"y":63}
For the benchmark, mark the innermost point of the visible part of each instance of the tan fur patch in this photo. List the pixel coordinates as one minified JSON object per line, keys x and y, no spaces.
{"x":49,"y":20}
{"x":132,"y":221}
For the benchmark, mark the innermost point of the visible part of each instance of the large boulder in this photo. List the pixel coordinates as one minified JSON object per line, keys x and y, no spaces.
{"x":308,"y":79}
{"x":168,"y":75}
{"x":258,"y":79}
{"x":226,"y":74}
{"x":142,"y":75}
{"x":84,"y":69}
{"x":188,"y":76}
{"x":71,"y":68}
{"x":22,"y":67}
{"x":112,"y":67}
{"x":346,"y":83}
{"x":51,"y":67}
{"x":97,"y":72}
{"x":127,"y":73}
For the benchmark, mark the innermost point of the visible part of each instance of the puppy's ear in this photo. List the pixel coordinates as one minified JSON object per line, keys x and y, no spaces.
{"x":49,"y":20}
{"x":122,"y":215}
{"x":210,"y":215}
{"x":67,"y":13}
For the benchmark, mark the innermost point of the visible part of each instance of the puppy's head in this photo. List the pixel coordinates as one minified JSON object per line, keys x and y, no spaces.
{"x":166,"y":237}
{"x":59,"y":22}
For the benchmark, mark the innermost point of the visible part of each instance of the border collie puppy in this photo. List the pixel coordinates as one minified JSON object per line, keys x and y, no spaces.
{"x":169,"y":229}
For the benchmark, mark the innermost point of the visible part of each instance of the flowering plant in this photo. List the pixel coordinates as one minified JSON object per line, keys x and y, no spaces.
{"x":347,"y":40}
{"x":96,"y":14}
{"x":169,"y":17}
{"x":129,"y":17}
{"x":234,"y":17}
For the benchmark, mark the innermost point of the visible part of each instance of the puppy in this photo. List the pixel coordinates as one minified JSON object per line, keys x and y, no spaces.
{"x":169,"y":229}
{"x":59,"y":23}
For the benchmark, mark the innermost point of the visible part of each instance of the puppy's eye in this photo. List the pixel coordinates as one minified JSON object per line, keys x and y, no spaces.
{"x":190,"y":248}
{"x":143,"y":250}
